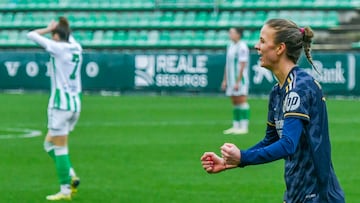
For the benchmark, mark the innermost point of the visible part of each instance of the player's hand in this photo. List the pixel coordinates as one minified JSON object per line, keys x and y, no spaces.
{"x":212,"y":163}
{"x":52,"y":25}
{"x":231,"y":154}
{"x":223,"y":85}
{"x":236,"y":87}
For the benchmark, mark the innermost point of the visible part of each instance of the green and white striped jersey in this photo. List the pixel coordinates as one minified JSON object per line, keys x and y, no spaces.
{"x":236,"y":53}
{"x":65,"y":73}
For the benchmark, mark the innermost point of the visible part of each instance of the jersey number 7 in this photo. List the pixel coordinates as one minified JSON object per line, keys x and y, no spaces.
{"x":76,"y":60}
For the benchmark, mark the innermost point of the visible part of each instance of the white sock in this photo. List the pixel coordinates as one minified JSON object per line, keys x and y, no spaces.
{"x":72,"y":172}
{"x":65,"y":189}
{"x":244,"y":124}
{"x":236,"y":124}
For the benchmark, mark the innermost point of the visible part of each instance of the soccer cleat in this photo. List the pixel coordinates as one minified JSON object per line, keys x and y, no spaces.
{"x":59,"y":196}
{"x":229,"y":131}
{"x":75,"y":182}
{"x":240,"y":131}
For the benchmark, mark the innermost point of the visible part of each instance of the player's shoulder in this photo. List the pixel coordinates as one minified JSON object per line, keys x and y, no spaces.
{"x":302,"y":82}
{"x":74,"y":47}
{"x":300,"y":78}
{"x":242,"y":45}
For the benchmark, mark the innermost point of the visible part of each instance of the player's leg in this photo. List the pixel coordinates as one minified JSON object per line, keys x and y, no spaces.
{"x":75,"y":180}
{"x":235,"y":123}
{"x":242,"y":113}
{"x":48,"y":145}
{"x":57,"y":147}
{"x":62,"y":163}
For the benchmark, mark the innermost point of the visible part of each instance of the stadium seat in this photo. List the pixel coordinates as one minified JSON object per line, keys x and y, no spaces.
{"x":224,"y":19}
{"x":108,"y":37}
{"x":153,"y":37}
{"x":213,"y":19}
{"x":167,"y":18}
{"x":165,"y":23}
{"x":201,"y":19}
{"x":190,"y":19}
{"x":164,"y":38}
{"x":121,"y":38}
{"x":209,"y":37}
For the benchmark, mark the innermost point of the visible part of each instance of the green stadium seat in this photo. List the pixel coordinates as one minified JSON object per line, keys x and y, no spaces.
{"x":271,"y":15}
{"x":198,"y":38}
{"x":120,"y":38}
{"x":18,"y":19}
{"x":222,"y":37}
{"x":224,"y":19}
{"x":176,"y":38}
{"x":132,"y":37}
{"x":318,"y":19}
{"x":83,"y":37}
{"x":167,"y":18}
{"x":13,"y":36}
{"x":201,"y":18}
{"x":247,"y":34}
{"x":190,"y":19}
{"x":188,"y":37}
{"x":249,"y":18}
{"x":112,"y":18}
{"x":355,"y":45}
{"x":143,"y":19}
{"x":155,"y":19}
{"x":213,"y":19}
{"x":237,"y":19}
{"x":332,"y":19}
{"x":165,"y":37}
{"x":98,"y":37}
{"x":123,"y":19}
{"x":7,"y":19}
{"x":142,"y":38}
{"x":210,"y":37}
{"x":179,"y":18}
{"x":108,"y":37}
{"x":153,"y":37}
{"x":260,"y":18}
{"x":4,"y":36}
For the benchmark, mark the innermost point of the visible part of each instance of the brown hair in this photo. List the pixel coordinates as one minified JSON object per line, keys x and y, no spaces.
{"x":294,"y":37}
{"x":62,"y":29}
{"x":238,"y":30}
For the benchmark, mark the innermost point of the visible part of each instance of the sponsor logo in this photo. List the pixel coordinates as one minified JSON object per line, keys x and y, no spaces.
{"x":171,"y":71}
{"x":291,"y":102}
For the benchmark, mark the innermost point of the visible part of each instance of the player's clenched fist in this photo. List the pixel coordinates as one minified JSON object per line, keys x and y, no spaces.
{"x":231,"y":154}
{"x":212,"y":163}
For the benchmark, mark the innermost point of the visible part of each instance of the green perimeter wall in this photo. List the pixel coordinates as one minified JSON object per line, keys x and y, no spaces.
{"x":116,"y":71}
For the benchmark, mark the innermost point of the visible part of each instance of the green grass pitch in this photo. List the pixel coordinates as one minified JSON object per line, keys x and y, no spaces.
{"x":147,"y":149}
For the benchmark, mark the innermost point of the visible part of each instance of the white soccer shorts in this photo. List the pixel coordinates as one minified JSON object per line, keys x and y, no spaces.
{"x":61,"y":122}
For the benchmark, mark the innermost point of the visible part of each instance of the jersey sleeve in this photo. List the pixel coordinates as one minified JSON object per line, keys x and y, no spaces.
{"x":283,"y":147}
{"x":243,"y":53}
{"x":50,"y":45}
{"x":297,"y":104}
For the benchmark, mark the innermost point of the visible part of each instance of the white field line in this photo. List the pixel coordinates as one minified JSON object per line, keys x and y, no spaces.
{"x":14,"y":133}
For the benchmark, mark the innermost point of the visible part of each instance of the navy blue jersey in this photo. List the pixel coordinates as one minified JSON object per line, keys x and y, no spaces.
{"x":309,"y":174}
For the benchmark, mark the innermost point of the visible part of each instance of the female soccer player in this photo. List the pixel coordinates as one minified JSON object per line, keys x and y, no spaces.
{"x":65,"y":100}
{"x":236,"y":81}
{"x":297,"y":128}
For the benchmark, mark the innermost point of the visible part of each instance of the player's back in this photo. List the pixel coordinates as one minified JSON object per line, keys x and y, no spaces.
{"x":309,"y":172}
{"x":65,"y":71}
{"x":66,"y":67}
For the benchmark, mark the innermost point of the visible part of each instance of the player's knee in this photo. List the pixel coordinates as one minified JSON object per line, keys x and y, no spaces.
{"x":48,"y":146}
